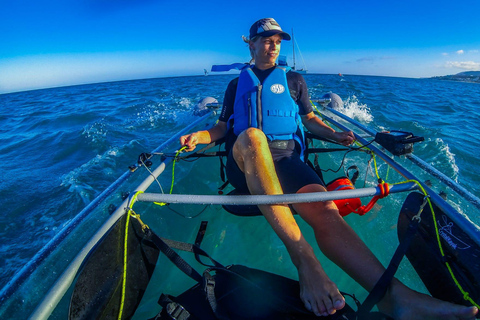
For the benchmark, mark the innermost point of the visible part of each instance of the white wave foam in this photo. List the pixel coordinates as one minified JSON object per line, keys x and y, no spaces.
{"x":445,"y":150}
{"x":186,"y":102}
{"x":156,"y":114}
{"x":355,"y":110}
{"x":150,"y":115}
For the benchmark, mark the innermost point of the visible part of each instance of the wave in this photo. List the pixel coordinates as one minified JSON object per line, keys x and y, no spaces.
{"x":81,"y":180}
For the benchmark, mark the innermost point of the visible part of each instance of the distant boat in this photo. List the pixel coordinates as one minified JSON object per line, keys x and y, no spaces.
{"x":205,"y":71}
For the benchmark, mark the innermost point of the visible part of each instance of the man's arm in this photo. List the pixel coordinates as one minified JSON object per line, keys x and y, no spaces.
{"x":205,"y":136}
{"x":316,"y":126}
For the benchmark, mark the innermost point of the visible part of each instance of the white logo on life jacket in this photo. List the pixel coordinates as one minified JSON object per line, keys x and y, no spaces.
{"x":277,"y":88}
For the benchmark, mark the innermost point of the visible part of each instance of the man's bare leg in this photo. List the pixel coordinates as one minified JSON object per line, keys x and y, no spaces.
{"x":341,"y":244}
{"x":253,"y":157}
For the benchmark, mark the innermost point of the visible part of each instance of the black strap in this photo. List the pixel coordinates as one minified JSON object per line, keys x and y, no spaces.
{"x":312,"y":136}
{"x":199,"y":238}
{"x":222,"y":171}
{"x":223,"y":186}
{"x":209,"y":287}
{"x":325,"y":150}
{"x":354,"y":178}
{"x":166,"y":245}
{"x":196,"y":155}
{"x":175,"y":258}
{"x":380,"y":288}
{"x":317,"y":168}
{"x":201,"y":233}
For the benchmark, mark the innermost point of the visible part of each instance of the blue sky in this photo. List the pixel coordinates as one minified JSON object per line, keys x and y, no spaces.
{"x":49,"y":43}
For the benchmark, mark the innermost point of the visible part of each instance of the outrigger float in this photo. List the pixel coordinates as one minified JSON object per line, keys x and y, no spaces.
{"x":109,"y":264}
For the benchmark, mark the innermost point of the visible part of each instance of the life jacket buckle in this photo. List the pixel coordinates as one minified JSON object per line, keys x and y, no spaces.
{"x":282,"y":144}
{"x":209,"y":282}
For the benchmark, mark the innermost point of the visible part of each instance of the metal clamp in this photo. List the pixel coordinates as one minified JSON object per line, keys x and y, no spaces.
{"x":177,"y":312}
{"x":417,"y":216}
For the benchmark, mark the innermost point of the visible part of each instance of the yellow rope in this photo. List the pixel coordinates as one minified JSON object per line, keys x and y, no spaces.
{"x":125,"y":250}
{"x":173,"y":167}
{"x":173,"y":175}
{"x":124,"y":276}
{"x":315,"y":107}
{"x":375,"y":165}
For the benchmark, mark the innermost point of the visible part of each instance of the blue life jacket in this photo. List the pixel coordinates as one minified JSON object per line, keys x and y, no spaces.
{"x":268,"y":106}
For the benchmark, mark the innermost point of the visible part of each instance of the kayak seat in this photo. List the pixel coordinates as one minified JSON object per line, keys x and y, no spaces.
{"x":242,"y":210}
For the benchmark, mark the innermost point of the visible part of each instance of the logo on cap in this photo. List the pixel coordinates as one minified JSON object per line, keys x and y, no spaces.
{"x":267,"y":25}
{"x":277,"y":88}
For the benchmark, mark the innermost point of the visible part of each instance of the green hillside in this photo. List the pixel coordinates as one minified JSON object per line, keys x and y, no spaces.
{"x":467,"y":76}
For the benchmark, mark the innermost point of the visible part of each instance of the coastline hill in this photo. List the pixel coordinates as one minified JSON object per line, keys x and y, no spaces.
{"x":467,"y":76}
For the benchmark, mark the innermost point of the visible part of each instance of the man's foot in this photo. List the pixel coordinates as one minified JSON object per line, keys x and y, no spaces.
{"x":402,"y":303}
{"x":319,"y":294}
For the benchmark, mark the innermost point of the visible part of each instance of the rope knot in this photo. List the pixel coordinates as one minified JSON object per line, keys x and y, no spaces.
{"x":384,"y":190}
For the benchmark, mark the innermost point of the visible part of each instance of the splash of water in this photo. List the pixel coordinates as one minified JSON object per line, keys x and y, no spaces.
{"x":356,"y":110}
{"x":96,"y":132}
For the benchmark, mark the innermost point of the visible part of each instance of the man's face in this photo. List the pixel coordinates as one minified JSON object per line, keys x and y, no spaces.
{"x":266,"y":50}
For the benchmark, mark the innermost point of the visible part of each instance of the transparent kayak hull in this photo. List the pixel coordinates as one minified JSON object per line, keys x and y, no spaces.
{"x":44,"y":287}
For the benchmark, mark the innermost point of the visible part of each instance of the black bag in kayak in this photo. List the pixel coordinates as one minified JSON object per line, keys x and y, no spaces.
{"x":238,"y":292}
{"x":241,"y":293}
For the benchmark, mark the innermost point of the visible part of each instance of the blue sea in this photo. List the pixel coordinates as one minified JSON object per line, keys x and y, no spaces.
{"x":61,"y":147}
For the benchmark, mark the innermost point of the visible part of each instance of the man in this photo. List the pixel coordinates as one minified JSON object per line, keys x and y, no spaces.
{"x":264,"y":159}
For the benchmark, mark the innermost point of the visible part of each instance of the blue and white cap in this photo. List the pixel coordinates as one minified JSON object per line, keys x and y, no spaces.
{"x":266,"y":28}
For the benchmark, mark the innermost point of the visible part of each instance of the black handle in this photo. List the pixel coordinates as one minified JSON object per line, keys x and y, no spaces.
{"x":413,"y":140}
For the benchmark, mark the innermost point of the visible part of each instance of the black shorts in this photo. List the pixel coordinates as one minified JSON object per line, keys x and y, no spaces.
{"x":292,"y":172}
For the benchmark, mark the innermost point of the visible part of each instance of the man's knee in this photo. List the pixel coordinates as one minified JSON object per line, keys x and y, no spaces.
{"x":317,"y":214}
{"x":252,"y":137}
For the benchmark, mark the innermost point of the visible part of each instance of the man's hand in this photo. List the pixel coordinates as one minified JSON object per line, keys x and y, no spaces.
{"x":190,"y":141}
{"x":345,"y":138}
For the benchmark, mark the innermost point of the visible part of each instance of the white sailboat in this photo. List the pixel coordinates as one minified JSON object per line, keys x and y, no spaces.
{"x":282,"y":59}
{"x":302,"y":70}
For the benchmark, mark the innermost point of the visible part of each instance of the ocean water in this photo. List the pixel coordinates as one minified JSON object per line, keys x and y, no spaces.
{"x":61,"y":147}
